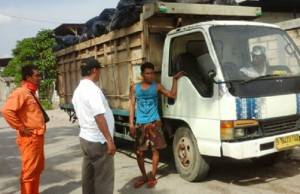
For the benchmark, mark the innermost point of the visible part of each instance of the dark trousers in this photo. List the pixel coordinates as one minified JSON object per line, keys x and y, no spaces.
{"x":97,"y":168}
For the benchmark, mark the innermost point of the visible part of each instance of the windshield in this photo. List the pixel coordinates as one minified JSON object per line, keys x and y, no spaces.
{"x":247,"y":52}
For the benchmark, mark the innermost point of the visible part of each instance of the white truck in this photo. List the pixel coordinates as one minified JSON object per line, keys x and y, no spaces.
{"x":220,"y":109}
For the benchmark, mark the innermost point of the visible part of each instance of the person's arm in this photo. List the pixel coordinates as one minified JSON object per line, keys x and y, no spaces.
{"x":102,"y":125}
{"x":98,"y":110}
{"x":173,"y":92}
{"x":9,"y":111}
{"x":132,"y":110}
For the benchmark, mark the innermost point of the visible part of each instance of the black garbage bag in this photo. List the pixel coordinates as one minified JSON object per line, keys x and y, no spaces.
{"x":90,"y":22}
{"x":99,"y":28}
{"x":143,"y":2}
{"x":102,"y":25}
{"x":123,"y":4}
{"x":128,"y":3}
{"x":57,"y":47}
{"x":225,"y":2}
{"x":98,"y":25}
{"x":59,"y":40}
{"x":83,"y":37}
{"x":221,"y":2}
{"x":193,"y":1}
{"x":88,"y":29}
{"x":107,"y":14}
{"x":89,"y":33}
{"x":128,"y":12}
{"x":70,"y":40}
{"x":125,"y":17}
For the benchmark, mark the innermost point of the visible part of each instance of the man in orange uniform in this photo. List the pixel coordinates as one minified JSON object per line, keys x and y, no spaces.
{"x":22,"y":112}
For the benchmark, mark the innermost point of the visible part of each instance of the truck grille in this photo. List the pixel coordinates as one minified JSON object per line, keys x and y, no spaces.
{"x":279,"y":125}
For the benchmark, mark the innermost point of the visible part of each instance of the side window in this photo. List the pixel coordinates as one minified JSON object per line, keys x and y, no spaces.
{"x":189,"y":53}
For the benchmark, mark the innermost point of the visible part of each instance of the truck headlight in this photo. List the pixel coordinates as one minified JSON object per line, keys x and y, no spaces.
{"x":238,"y":129}
{"x":239,"y":132}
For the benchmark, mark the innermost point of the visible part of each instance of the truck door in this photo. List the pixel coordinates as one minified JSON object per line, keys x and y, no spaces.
{"x":193,"y":117}
{"x":196,"y":105}
{"x":190,"y":53}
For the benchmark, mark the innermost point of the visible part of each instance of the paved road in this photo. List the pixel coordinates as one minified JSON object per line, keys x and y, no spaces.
{"x":63,"y":163}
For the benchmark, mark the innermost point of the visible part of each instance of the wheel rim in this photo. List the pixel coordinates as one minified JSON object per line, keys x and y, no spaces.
{"x":185,"y":152}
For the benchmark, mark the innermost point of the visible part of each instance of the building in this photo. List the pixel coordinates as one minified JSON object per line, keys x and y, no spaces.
{"x":285,"y":13}
{"x":7,"y":84}
{"x":293,"y":29}
{"x":275,"y":11}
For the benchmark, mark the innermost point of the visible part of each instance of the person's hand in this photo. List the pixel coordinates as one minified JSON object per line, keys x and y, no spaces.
{"x":25,"y":132}
{"x":111,"y":148}
{"x":179,"y":75}
{"x":132,"y":130}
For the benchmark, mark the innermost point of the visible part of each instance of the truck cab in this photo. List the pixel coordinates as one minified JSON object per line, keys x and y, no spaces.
{"x":239,"y":97}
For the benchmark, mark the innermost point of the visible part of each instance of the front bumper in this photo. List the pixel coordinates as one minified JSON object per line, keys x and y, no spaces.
{"x":252,"y":148}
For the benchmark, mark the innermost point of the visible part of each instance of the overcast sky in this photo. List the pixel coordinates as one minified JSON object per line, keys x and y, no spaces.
{"x":24,"y":18}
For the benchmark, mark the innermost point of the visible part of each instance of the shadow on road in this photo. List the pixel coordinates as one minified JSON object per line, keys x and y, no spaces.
{"x":245,"y":172}
{"x":10,"y":161}
{"x":238,"y":172}
{"x":62,"y":189}
{"x":128,"y":189}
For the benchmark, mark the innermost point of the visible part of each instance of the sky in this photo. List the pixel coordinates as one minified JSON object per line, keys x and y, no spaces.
{"x":24,"y":18}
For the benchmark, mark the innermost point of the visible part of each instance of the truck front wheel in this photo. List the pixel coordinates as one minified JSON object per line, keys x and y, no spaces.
{"x":189,"y":163}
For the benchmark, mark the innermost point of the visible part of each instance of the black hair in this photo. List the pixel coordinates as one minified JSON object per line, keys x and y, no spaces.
{"x":27,"y":71}
{"x":146,"y":65}
{"x":85,"y":71}
{"x":87,"y":66}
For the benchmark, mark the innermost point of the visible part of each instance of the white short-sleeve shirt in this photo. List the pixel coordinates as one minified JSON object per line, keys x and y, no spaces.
{"x":251,"y":72}
{"x":89,"y":101}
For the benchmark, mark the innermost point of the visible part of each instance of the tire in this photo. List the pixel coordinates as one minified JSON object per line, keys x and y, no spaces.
{"x":271,"y":159}
{"x":189,"y":163}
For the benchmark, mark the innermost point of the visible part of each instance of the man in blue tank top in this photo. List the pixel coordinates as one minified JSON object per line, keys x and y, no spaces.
{"x":147,"y":131}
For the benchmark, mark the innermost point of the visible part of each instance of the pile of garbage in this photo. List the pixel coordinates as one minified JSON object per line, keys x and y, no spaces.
{"x":220,"y":2}
{"x":125,"y":14}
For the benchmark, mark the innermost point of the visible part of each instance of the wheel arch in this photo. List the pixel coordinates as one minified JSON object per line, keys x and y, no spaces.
{"x":171,"y":125}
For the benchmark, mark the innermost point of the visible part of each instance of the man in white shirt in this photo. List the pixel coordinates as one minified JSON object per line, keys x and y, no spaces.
{"x":96,"y":123}
{"x":259,"y":63}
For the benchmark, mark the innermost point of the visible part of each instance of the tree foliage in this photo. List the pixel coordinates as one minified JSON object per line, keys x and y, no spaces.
{"x":36,"y":50}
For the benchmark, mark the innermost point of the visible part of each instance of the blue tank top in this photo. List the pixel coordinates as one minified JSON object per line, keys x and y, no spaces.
{"x":146,"y":104}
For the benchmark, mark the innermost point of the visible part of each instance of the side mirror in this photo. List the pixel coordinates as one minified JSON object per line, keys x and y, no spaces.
{"x":212,"y":74}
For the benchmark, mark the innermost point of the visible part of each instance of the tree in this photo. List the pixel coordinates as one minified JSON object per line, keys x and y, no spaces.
{"x":36,"y":50}
{"x":23,"y":54}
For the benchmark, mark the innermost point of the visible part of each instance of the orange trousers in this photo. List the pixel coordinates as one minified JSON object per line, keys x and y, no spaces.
{"x":32,"y":156}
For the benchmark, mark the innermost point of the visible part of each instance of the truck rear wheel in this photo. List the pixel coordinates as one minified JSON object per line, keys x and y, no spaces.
{"x":189,"y":163}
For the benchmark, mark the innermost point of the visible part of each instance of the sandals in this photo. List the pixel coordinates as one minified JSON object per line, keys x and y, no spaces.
{"x":152,"y":182}
{"x":140,"y":182}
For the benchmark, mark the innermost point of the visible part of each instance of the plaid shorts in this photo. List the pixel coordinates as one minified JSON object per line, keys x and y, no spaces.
{"x":150,"y":136}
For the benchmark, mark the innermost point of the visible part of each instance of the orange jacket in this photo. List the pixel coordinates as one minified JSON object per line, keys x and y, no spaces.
{"x":21,"y":111}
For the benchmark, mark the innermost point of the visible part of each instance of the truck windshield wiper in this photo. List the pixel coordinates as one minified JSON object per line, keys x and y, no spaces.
{"x":259,"y":78}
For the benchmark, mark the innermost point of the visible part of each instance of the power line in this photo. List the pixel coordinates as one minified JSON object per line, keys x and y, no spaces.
{"x":31,"y":19}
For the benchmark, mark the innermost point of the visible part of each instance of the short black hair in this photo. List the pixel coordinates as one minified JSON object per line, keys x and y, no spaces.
{"x":27,"y":71}
{"x":146,"y":65}
{"x":89,"y":64}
